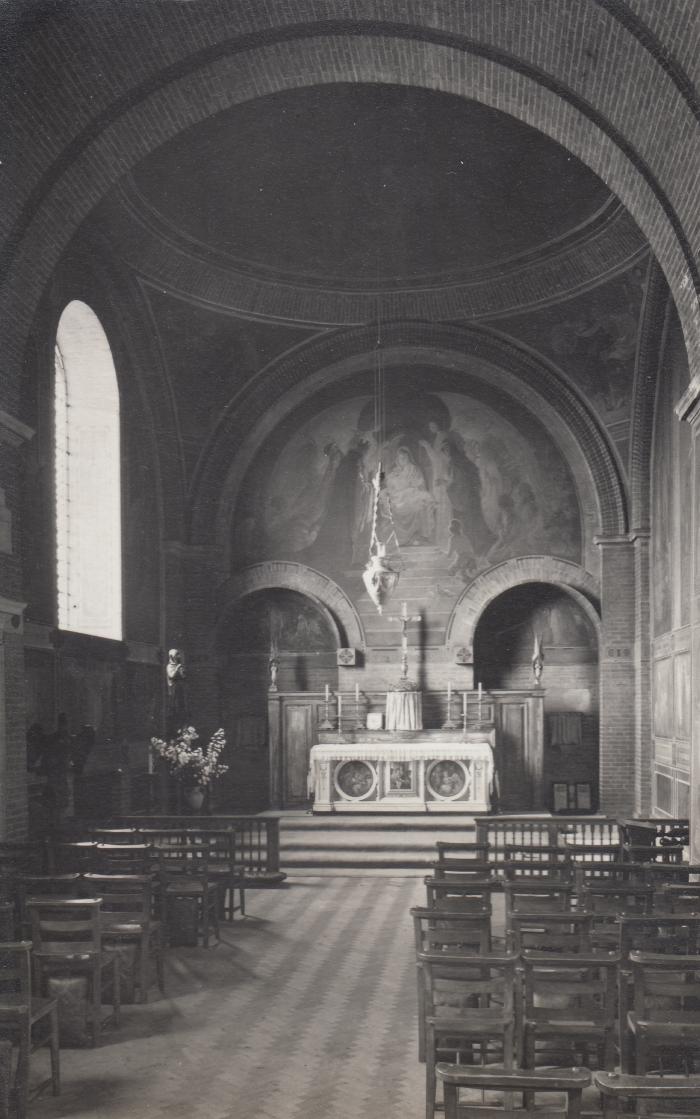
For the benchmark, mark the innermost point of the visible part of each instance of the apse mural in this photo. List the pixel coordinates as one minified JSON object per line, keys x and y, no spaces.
{"x":465,"y":484}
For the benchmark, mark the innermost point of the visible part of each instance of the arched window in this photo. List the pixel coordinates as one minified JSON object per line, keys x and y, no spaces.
{"x":88,"y":477}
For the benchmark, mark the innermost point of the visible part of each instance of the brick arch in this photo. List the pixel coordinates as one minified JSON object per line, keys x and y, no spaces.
{"x":513,"y":573}
{"x":277,"y":390}
{"x":284,"y":575}
{"x":553,"y":65}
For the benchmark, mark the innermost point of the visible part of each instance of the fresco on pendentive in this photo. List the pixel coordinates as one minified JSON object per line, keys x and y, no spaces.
{"x":463,"y":480}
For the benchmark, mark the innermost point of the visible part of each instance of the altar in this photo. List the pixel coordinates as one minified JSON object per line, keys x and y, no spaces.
{"x":409,"y":771}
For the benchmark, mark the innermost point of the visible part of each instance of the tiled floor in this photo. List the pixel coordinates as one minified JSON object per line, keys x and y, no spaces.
{"x":306,"y":1009}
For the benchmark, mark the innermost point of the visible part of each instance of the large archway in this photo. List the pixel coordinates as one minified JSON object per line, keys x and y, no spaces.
{"x":546,"y":65}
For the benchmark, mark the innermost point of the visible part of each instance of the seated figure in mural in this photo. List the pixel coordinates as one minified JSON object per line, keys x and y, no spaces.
{"x":412,"y":506}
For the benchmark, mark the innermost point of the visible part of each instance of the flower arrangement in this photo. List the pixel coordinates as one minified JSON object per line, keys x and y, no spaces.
{"x":194,"y":763}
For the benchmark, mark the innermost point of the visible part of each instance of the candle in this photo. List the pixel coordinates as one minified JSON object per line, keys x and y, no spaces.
{"x":150,"y":759}
{"x":340,"y":708}
{"x":328,"y":693}
{"x":464,"y":704}
{"x":480,"y":691}
{"x":449,"y":692}
{"x":357,"y":693}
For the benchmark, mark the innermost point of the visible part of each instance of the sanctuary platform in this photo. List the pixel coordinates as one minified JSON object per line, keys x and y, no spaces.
{"x":403,"y":771}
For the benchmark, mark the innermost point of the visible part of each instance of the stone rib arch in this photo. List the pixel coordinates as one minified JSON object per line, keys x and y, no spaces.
{"x":513,"y":573}
{"x":287,"y":575}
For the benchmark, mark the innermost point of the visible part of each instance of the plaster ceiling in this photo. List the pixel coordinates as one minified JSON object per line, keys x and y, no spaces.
{"x":368,"y":185}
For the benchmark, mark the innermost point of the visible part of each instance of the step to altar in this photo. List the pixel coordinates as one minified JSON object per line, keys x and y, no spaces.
{"x":400,"y":845}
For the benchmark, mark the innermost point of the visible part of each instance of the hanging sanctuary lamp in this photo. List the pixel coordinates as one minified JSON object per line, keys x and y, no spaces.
{"x":379,"y":577}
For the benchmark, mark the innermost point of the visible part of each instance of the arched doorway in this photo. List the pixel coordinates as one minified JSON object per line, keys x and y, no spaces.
{"x":301,"y":636}
{"x":503,"y":652}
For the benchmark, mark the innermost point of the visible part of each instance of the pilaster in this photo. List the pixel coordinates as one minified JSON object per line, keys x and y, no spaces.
{"x":618,"y":761}
{"x":688,"y":409}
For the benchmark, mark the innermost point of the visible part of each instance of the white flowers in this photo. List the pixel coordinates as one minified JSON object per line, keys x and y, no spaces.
{"x":188,"y":760}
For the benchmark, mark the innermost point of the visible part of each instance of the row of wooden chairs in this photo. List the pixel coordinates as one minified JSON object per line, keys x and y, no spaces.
{"x":567,"y":1086}
{"x":527,"y":1008}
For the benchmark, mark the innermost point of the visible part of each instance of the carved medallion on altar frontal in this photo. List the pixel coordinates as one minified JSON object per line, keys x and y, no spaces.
{"x":447,"y":780}
{"x":355,"y":780}
{"x":469,"y":483}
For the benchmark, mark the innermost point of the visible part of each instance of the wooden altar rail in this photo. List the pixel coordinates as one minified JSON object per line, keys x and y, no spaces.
{"x":544,"y":831}
{"x":257,"y":838}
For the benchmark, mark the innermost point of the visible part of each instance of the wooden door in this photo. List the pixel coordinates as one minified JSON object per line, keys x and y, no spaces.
{"x":511,"y":747}
{"x":297,"y":738}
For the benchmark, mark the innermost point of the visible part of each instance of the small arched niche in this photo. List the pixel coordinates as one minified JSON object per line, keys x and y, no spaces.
{"x":504,"y":645}
{"x":302,"y":638}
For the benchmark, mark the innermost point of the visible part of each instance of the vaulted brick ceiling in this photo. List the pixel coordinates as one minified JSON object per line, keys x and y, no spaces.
{"x":359,"y":185}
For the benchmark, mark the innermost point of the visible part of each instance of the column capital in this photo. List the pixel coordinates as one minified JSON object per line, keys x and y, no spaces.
{"x":688,"y":407}
{"x":625,"y":538}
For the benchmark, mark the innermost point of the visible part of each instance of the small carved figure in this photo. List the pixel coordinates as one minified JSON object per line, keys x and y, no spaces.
{"x":274,"y":666}
{"x":176,"y":712}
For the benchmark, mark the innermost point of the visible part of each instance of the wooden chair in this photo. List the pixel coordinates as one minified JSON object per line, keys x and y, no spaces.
{"x":523,"y":895}
{"x":639,"y":853}
{"x":74,"y":857}
{"x":184,"y":875}
{"x":676,"y":897}
{"x":593,"y":852}
{"x":67,"y":940}
{"x":618,"y":1090}
{"x":569,"y":1082}
{"x":127,"y":907}
{"x":463,"y":897}
{"x":115,"y":835}
{"x":439,"y":930}
{"x":569,"y":1001}
{"x":594,"y":872}
{"x":448,"y":850}
{"x":660,"y":933}
{"x":535,"y":853}
{"x":666,"y":1006}
{"x":469,"y":1008}
{"x":122,"y":858}
{"x":669,"y":874}
{"x":28,"y":1021}
{"x":223,"y":869}
{"x":41,"y":887}
{"x":608,"y":902}
{"x":531,"y":870}
{"x":463,"y":870}
{"x":557,"y":933}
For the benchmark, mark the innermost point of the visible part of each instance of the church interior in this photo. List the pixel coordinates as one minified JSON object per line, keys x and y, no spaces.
{"x":349,"y":558}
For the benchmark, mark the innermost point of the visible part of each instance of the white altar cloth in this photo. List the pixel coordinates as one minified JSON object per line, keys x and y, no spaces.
{"x":404,"y":710}
{"x":423,"y":774}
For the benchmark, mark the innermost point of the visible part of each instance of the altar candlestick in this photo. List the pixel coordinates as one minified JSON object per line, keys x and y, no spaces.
{"x":449,"y":693}
{"x":479,"y":701}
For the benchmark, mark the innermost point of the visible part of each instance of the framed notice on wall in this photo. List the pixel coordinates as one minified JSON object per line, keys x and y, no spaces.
{"x":570,"y":796}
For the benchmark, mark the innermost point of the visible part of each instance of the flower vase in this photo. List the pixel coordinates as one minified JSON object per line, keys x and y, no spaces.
{"x":195,"y":798}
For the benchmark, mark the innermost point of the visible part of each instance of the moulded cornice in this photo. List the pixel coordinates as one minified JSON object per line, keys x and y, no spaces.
{"x":608,"y":244}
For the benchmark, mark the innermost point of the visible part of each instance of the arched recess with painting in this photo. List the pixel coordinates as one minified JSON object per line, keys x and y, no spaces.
{"x":276,"y":649}
{"x":531,"y":605}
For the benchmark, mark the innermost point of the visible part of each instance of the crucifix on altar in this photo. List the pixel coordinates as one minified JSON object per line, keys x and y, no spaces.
{"x":403,"y":700}
{"x":404,"y":617}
